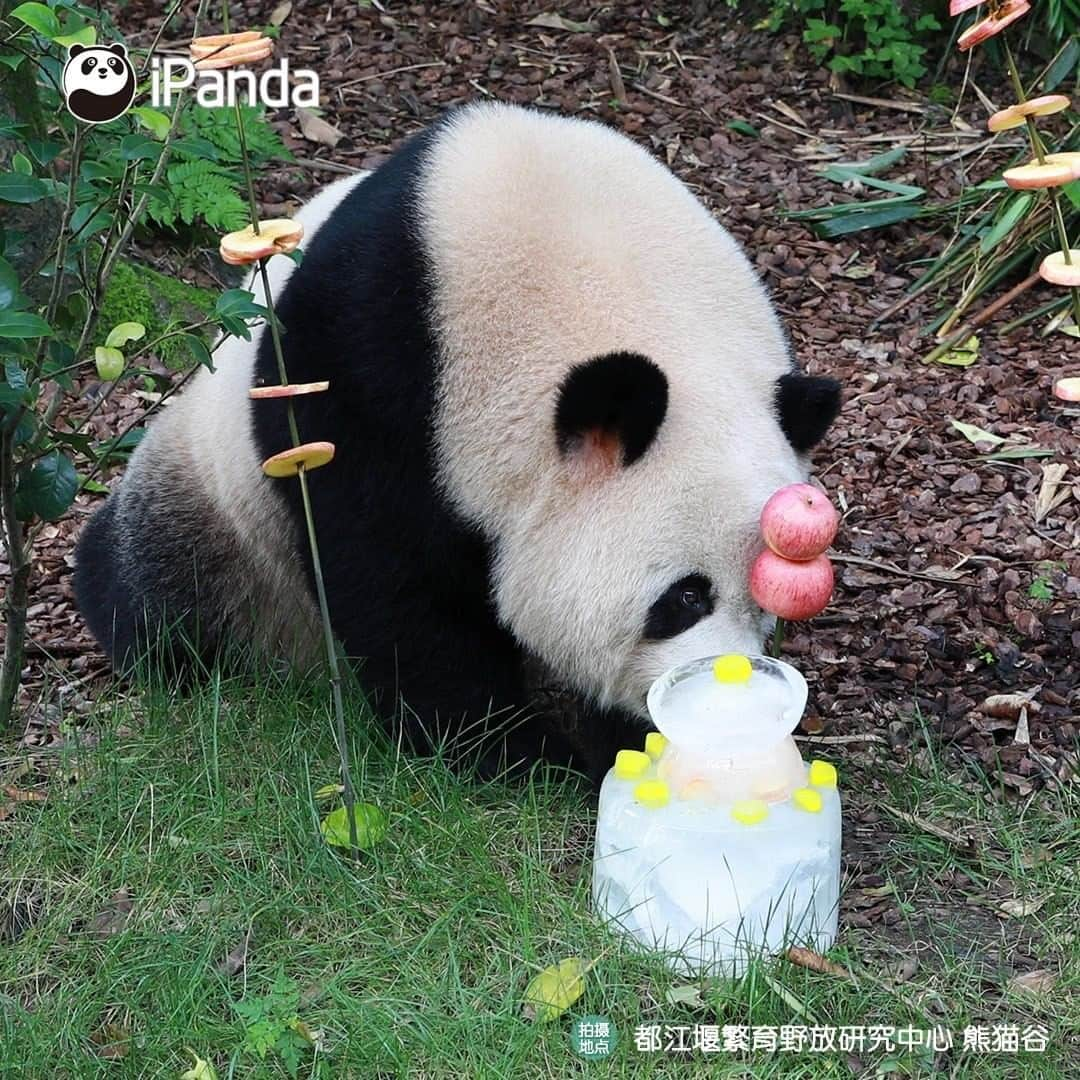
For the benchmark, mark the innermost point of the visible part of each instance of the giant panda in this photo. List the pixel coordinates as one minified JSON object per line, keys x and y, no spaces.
{"x":559,"y":397}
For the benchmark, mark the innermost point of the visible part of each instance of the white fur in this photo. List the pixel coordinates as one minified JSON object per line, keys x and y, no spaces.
{"x":202,"y":444}
{"x":554,"y":240}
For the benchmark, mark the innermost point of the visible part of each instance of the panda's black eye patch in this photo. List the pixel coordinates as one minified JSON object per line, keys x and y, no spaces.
{"x":680,"y":606}
{"x":114,"y":64}
{"x":89,"y":64}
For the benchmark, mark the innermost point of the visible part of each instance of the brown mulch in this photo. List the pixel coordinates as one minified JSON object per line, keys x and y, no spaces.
{"x":940,"y":548}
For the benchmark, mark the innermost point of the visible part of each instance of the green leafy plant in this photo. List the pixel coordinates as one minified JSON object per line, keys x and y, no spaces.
{"x":205,"y":185}
{"x":72,"y":197}
{"x":272,"y":1025}
{"x":872,"y":39}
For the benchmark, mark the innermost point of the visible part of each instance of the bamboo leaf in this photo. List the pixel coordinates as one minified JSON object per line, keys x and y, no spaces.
{"x":975,"y":434}
{"x":1014,"y":211}
{"x":875,"y":219}
{"x":961,"y":355}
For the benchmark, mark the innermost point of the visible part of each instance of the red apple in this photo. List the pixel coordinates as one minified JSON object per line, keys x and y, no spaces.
{"x":792,"y":590}
{"x":798,"y":522}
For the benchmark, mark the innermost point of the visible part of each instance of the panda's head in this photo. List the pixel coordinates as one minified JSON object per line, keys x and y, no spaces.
{"x":99,"y":82}
{"x":617,"y":403}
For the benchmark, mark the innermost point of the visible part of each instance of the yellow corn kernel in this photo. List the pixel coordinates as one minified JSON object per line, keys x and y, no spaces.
{"x":630,"y":764}
{"x":806,"y":798}
{"x":749,"y":811}
{"x":822,"y":774}
{"x":654,"y":744}
{"x":732,"y":668}
{"x":653,"y":794}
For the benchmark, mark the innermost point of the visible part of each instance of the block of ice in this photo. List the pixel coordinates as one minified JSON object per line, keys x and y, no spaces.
{"x":732,"y":847}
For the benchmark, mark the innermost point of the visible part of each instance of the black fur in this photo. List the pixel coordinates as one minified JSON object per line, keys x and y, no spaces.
{"x":407,"y":581}
{"x":807,"y":405}
{"x":676,"y":610}
{"x":621,"y":394}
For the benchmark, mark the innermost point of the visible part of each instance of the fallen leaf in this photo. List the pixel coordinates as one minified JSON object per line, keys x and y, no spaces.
{"x":813,"y":961}
{"x":788,"y":998}
{"x":315,"y":129}
{"x":551,"y":992}
{"x":201,"y":1070}
{"x":962,"y":355}
{"x":234,"y":962}
{"x":1008,"y":706}
{"x":618,"y":87}
{"x":1035,"y":857}
{"x":329,"y":791}
{"x":880,"y":890}
{"x":688,"y":995}
{"x":552,"y":21}
{"x":904,"y":970}
{"x":1036,"y":982}
{"x":1049,"y":497}
{"x":280,"y":13}
{"x":1018,"y":909}
{"x":370,"y":826}
{"x":975,"y":434}
{"x":111,"y":1041}
{"x":113,"y":917}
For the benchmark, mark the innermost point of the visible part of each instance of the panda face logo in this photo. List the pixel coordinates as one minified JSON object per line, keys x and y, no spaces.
{"x":99,"y":82}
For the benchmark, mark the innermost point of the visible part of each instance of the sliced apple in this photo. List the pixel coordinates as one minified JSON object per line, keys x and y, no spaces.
{"x":1057,"y":170}
{"x":215,"y":41}
{"x":1056,"y":270}
{"x":259,"y":393}
{"x":992,"y":24}
{"x":276,"y":236}
{"x":235,"y":55}
{"x":1068,"y":389}
{"x":1015,"y":115}
{"x":307,"y":457}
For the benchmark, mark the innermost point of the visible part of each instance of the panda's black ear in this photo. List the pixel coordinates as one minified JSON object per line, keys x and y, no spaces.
{"x":609,"y":411}
{"x":74,"y":50}
{"x":119,"y":48}
{"x":807,"y":405}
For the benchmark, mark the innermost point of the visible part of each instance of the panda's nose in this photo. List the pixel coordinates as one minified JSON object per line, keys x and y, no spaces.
{"x":102,"y":73}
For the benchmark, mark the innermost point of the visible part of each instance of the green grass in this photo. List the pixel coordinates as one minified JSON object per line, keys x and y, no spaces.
{"x":412,"y":960}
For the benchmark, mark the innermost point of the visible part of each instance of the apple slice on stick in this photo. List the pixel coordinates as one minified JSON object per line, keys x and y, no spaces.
{"x":1057,"y":271}
{"x":1015,"y":115}
{"x":992,"y":24}
{"x":276,"y":236}
{"x":261,"y":393}
{"x":216,"y":41}
{"x":1068,"y":389}
{"x":1058,"y":169}
{"x":307,"y":457}
{"x":234,"y":55}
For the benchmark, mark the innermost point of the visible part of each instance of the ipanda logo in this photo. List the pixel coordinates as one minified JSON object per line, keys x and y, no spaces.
{"x":276,"y":87}
{"x":99,"y":83}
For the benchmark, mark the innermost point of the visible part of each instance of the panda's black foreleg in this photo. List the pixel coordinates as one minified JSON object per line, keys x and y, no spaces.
{"x":459,"y":691}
